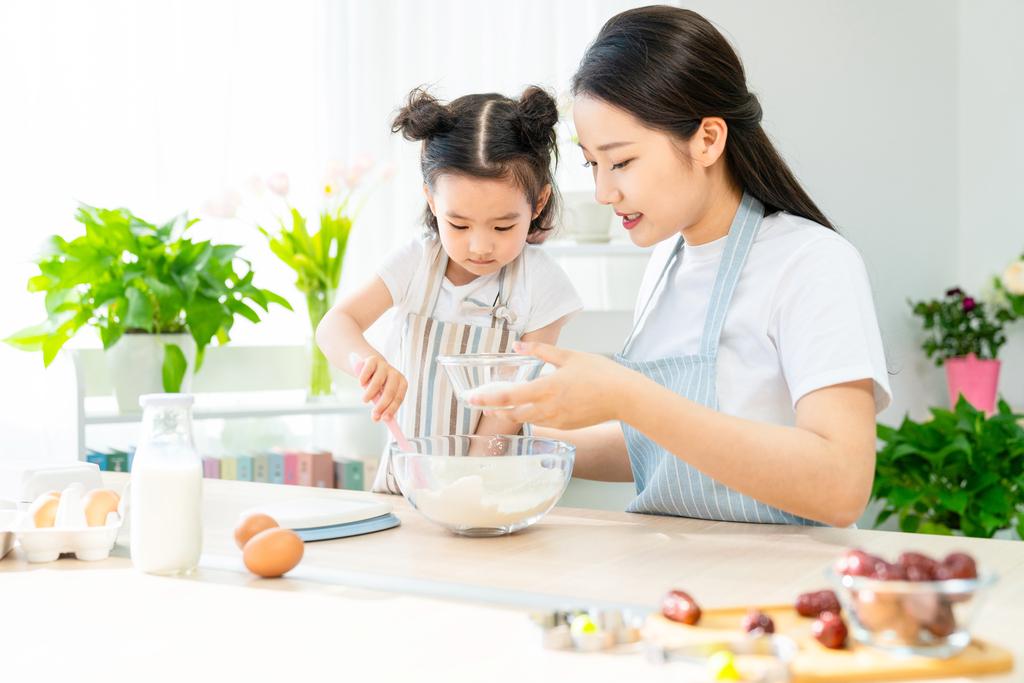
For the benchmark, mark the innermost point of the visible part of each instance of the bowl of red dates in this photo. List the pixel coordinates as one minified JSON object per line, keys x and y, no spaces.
{"x":915,"y":605}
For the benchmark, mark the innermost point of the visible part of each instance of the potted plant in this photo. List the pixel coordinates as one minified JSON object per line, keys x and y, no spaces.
{"x":964,"y":336}
{"x":316,"y":257}
{"x":156,"y":297}
{"x":959,"y":472}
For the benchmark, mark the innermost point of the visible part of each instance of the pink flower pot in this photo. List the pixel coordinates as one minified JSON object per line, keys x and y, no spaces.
{"x":976,"y":379}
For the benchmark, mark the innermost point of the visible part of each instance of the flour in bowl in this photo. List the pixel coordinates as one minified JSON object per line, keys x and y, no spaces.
{"x":488,"y":492}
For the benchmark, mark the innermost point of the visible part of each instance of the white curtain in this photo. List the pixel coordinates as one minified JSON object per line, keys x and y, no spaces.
{"x":159,"y":106}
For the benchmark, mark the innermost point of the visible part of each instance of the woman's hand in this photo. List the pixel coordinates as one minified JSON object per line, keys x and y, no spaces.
{"x":585,"y":390}
{"x":378,"y":377}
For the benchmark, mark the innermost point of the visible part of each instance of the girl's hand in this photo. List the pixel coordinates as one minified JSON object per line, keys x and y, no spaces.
{"x":585,"y":390}
{"x":377,"y":377}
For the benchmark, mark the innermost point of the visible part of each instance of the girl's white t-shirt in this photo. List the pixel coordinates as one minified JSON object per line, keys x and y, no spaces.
{"x":802,"y":318}
{"x":541,"y":294}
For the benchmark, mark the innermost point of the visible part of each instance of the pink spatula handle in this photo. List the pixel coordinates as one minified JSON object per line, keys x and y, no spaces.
{"x":357,"y":366}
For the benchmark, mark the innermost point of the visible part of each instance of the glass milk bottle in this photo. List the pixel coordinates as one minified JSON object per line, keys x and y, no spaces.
{"x":166,"y":488}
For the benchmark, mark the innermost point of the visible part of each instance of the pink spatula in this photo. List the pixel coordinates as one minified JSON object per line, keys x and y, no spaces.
{"x":357,"y":366}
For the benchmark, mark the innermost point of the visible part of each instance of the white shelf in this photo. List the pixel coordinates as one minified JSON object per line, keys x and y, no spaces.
{"x":570,"y":248}
{"x":236,"y":412}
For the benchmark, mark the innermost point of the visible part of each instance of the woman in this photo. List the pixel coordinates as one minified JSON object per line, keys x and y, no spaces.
{"x":749,"y":386}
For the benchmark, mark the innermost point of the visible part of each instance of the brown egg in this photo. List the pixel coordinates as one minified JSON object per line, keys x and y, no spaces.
{"x":273,"y":552}
{"x":55,"y":494}
{"x":44,"y":510}
{"x":97,"y":503}
{"x":250,"y":525}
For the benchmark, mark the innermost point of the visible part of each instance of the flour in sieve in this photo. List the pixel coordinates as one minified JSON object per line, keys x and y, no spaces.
{"x":489,"y":492}
{"x":489,"y":388}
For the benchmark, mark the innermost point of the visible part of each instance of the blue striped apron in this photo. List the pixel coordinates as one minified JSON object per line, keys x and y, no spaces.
{"x":665,"y":484}
{"x":430,"y":407}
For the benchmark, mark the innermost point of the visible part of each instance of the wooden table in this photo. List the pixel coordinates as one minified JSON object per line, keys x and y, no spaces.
{"x":417,"y":589}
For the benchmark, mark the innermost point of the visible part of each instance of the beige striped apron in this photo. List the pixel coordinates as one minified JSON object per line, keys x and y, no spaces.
{"x":430,"y":407}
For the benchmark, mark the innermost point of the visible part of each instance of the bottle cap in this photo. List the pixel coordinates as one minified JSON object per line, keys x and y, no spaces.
{"x":147,"y":400}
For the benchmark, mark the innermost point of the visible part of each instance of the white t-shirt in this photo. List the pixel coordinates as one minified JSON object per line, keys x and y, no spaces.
{"x":802,"y":318}
{"x":541,"y":294}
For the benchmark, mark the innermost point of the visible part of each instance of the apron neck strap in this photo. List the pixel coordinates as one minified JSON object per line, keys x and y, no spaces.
{"x":741,"y":237}
{"x":435,"y":277}
{"x":640,"y":318}
{"x":500,"y":310}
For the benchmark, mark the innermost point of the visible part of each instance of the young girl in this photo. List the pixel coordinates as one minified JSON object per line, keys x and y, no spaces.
{"x":471,"y":284}
{"x":748,"y":389}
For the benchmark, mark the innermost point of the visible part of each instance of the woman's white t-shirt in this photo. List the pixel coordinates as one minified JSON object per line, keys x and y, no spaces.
{"x":541,"y":294}
{"x":802,"y":318}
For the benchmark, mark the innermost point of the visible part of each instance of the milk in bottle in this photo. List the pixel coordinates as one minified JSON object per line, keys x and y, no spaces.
{"x":166,"y":488}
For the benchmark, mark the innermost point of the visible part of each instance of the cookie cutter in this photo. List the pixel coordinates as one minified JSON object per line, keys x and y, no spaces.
{"x":781,"y":648}
{"x":614,"y":628}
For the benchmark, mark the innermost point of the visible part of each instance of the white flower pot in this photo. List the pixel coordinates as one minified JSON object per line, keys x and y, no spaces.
{"x":136,"y":364}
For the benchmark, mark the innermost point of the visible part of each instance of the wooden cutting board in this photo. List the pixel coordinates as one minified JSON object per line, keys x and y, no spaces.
{"x":817,"y":664}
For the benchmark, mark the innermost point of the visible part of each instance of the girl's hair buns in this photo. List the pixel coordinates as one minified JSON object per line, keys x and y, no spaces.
{"x":487,"y":136}
{"x":422,"y":117}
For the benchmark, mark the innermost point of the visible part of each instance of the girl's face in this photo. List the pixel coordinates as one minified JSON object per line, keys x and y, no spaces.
{"x":482,"y":222}
{"x":645,"y":174}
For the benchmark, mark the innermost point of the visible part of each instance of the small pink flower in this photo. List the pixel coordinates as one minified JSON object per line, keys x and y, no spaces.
{"x":331,"y":185}
{"x":253,"y":185}
{"x":224,"y":206}
{"x":335,"y":169}
{"x":278,"y":184}
{"x":352,"y":179}
{"x":362,"y":163}
{"x":968,"y":304}
{"x":389,"y":172}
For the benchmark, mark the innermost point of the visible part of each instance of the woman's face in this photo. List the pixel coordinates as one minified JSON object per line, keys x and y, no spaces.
{"x":658,"y":185}
{"x":482,"y":223}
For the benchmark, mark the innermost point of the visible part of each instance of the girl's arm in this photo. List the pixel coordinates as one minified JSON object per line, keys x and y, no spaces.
{"x":821,"y":469}
{"x":601,"y":452}
{"x":496,"y":425}
{"x":340,"y":333}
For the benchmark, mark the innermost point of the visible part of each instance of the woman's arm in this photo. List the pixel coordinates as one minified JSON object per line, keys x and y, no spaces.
{"x":340,"y":333}
{"x":495,"y":425}
{"x":820,"y":469}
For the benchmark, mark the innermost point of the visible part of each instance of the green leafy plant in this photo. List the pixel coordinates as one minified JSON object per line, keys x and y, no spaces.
{"x":127,"y":275}
{"x":960,"y":325}
{"x":956,"y":471}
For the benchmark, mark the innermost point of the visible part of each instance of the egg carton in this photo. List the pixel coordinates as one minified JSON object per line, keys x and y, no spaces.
{"x":70,"y":533}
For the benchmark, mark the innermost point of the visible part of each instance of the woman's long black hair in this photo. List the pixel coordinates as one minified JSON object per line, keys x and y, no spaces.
{"x":670,"y":68}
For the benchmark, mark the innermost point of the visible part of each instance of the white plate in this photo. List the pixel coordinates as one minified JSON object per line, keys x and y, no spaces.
{"x":308,"y":513}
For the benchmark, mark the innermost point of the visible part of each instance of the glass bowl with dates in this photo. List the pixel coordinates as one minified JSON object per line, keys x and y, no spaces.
{"x":915,"y":605}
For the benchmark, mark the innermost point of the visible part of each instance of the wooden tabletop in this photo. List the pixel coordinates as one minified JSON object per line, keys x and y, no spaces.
{"x":570,"y":557}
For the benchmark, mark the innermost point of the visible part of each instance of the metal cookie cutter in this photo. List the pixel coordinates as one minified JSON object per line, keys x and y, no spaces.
{"x":595,"y":630}
{"x":781,"y":648}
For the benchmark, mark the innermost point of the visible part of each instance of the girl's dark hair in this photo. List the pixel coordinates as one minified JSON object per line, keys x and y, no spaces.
{"x":670,"y":68}
{"x":487,"y":136}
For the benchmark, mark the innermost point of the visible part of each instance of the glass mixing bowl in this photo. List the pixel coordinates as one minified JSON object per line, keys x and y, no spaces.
{"x":484,"y":373}
{"x":483,"y":485}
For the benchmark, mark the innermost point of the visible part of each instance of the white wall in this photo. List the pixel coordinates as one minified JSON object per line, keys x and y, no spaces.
{"x":902,"y":119}
{"x":991,"y":163}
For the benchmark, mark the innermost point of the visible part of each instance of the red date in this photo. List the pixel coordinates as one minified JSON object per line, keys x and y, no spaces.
{"x":956,"y":566}
{"x":856,"y":563}
{"x":830,"y":630}
{"x":679,"y":606}
{"x":918,"y":567}
{"x":813,"y":604}
{"x":757,"y":621}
